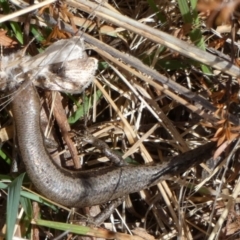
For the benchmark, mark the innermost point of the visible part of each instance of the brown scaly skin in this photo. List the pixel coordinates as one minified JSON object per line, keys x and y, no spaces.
{"x":90,"y":187}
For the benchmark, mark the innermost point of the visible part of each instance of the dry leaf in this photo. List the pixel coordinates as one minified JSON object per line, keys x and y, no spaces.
{"x":218,"y":43}
{"x":5,"y":40}
{"x":220,"y":149}
{"x":56,"y":34}
{"x":218,"y":11}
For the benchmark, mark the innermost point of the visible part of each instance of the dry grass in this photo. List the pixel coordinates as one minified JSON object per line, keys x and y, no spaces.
{"x":161,"y":95}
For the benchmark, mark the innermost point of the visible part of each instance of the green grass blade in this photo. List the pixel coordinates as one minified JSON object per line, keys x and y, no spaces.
{"x":190,"y":16}
{"x":63,"y":226}
{"x":17,"y":31}
{"x":155,"y":8}
{"x":3,"y":185}
{"x":14,"y":25}
{"x":13,"y":198}
{"x":83,"y":108}
{"x":5,"y":6}
{"x":27,"y":206}
{"x":5,"y":157}
{"x":38,"y":199}
{"x":36,"y":33}
{"x":185,"y":11}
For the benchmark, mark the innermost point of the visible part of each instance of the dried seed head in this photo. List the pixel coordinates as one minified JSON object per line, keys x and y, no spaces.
{"x":64,"y":66}
{"x":72,"y":76}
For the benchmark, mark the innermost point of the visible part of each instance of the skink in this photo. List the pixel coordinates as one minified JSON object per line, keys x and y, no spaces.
{"x":91,"y":187}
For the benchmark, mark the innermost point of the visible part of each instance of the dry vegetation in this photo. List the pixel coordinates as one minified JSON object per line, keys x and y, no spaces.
{"x":155,"y":96}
